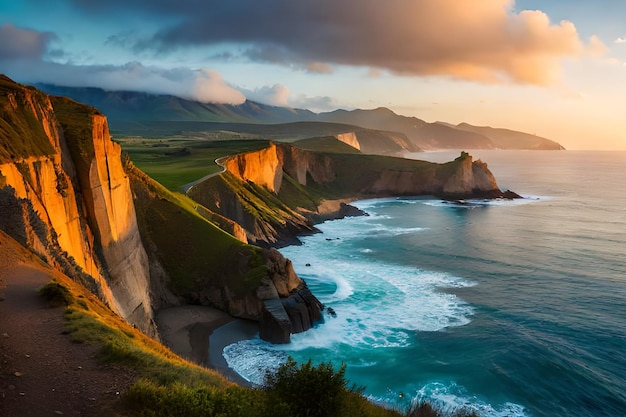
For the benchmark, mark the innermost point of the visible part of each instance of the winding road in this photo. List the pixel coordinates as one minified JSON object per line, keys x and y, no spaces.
{"x":185,"y":188}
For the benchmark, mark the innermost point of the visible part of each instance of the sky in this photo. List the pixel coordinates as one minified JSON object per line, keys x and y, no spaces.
{"x":555,"y":68}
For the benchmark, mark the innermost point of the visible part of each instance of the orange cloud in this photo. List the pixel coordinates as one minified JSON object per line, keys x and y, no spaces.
{"x":486,"y":41}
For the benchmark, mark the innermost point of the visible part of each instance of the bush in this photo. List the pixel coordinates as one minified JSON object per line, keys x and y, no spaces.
{"x":56,"y":294}
{"x":146,"y":398}
{"x":307,"y":390}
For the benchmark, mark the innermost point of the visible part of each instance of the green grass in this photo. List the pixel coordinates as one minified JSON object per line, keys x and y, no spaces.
{"x":196,"y":254}
{"x":328,"y":144}
{"x":163,"y":160}
{"x":21,"y":131}
{"x":89,"y":321}
{"x":56,"y":294}
{"x":296,"y":196}
{"x":76,"y":119}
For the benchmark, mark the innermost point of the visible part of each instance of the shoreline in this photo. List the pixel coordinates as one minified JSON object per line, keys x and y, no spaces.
{"x":200,"y":333}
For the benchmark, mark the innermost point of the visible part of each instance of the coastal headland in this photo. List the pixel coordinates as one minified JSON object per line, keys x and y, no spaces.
{"x":178,"y":267}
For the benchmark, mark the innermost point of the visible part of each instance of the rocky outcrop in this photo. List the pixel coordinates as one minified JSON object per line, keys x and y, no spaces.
{"x":264,"y":166}
{"x":71,"y":203}
{"x":468,"y":177}
{"x":349,"y":138}
{"x":270,"y":213}
{"x":288,"y":306}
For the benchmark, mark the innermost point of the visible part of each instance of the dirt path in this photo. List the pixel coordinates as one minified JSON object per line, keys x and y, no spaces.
{"x":185,"y":188}
{"x":42,"y":373}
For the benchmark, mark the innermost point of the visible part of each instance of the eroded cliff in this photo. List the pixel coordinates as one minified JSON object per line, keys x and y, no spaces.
{"x":276,"y":200}
{"x":200,"y":264}
{"x":68,"y":194}
{"x":71,"y":203}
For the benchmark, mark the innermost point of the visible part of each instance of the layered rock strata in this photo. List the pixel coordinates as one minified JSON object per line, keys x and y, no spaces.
{"x":70,"y":202}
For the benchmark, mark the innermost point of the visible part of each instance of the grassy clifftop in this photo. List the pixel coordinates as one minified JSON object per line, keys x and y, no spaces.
{"x":22,"y":109}
{"x":197,"y":255}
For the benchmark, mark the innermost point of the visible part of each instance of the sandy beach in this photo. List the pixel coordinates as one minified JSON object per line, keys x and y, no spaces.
{"x":200,"y":334}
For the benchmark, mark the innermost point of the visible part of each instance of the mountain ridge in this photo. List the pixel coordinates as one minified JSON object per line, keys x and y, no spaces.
{"x":123,"y":107}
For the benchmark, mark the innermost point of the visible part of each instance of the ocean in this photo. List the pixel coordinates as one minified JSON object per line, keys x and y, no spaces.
{"x":506,"y":308}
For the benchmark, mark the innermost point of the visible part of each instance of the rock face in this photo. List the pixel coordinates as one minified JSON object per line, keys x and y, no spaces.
{"x":268,"y":217}
{"x":288,"y":304}
{"x":71,"y":203}
{"x":349,"y":138}
{"x":201,"y":265}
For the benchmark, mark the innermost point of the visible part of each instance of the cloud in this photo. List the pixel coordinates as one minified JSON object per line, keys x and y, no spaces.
{"x":279,"y":95}
{"x":18,"y":43}
{"x":316,"y":104}
{"x":208,"y":86}
{"x":202,"y":85}
{"x":619,"y":40}
{"x":275,"y":95}
{"x":487,"y":41}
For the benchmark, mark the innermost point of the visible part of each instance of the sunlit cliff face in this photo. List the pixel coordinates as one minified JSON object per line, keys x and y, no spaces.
{"x":68,"y":213}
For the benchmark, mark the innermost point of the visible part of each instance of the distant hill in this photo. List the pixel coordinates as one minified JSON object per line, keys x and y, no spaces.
{"x":423,"y":134}
{"x":143,"y":107}
{"x":129,"y":112}
{"x":511,"y":139}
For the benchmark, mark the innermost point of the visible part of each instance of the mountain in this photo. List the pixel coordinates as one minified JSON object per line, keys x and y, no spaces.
{"x":125,"y":106}
{"x":422,"y":134}
{"x":511,"y":139}
{"x":139,"y":113}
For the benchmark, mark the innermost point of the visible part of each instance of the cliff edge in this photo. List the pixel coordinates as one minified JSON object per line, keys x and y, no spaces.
{"x":68,"y":195}
{"x":65,"y":195}
{"x":279,"y":192}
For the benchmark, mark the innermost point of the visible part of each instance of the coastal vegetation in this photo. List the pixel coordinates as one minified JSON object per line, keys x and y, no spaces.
{"x":168,"y":385}
{"x":16,"y":122}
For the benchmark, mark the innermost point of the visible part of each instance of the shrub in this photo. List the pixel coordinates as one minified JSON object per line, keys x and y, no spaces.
{"x":307,"y":390}
{"x":56,"y":294}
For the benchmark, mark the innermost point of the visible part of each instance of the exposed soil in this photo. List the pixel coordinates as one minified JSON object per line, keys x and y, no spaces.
{"x":42,"y":372}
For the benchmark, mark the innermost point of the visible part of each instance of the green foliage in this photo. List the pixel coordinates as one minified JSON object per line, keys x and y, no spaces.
{"x":329,"y":144}
{"x":297,"y":196}
{"x":56,"y":294}
{"x":195,"y":253}
{"x":21,"y":128}
{"x":76,"y":119}
{"x":146,"y":398}
{"x":307,"y":390}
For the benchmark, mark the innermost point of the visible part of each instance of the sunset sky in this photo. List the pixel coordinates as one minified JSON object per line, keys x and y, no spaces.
{"x":556,"y":68}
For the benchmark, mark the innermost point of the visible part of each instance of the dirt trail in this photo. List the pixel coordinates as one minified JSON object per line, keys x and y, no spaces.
{"x":43,"y":373}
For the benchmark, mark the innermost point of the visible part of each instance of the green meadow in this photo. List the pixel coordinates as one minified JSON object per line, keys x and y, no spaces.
{"x":176,"y":161}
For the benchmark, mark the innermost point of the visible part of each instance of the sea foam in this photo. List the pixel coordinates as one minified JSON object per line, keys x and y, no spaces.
{"x":378,"y":305}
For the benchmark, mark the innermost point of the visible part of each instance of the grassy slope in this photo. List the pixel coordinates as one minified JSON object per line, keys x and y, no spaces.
{"x":20,"y":122}
{"x":195,"y":253}
{"x":175,"y":162}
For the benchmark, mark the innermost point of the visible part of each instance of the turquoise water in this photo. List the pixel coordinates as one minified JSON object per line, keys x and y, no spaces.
{"x":506,"y":308}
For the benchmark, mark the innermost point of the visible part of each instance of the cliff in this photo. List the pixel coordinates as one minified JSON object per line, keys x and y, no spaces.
{"x":67,"y":194}
{"x":279,"y":192}
{"x":194,"y":262}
